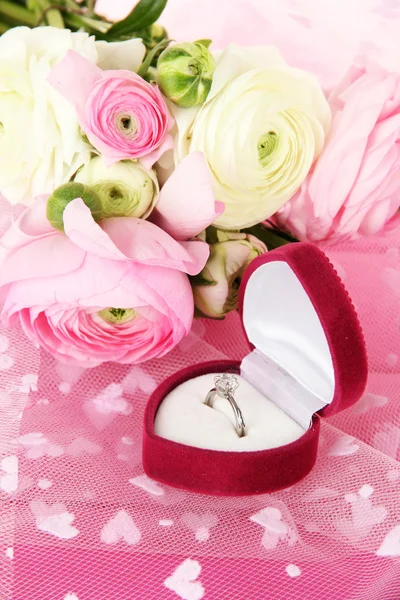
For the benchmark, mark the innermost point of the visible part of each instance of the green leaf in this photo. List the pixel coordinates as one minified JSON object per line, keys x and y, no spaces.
{"x":145,"y":13}
{"x":271,"y":236}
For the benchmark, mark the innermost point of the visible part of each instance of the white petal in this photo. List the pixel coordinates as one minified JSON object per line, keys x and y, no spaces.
{"x":236,"y":60}
{"x":120,"y":55}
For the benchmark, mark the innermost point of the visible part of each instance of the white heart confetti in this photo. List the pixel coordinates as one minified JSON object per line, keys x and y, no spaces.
{"x":44,"y":484}
{"x":148,"y":485}
{"x":165,"y":522}
{"x":81,"y":446}
{"x":120,"y":528}
{"x":293,"y":571}
{"x":183,"y":581}
{"x":127,"y":440}
{"x":393,"y":475}
{"x":369,"y":401}
{"x":64,"y":387}
{"x":54,"y":519}
{"x":6,"y":362}
{"x":4,"y":343}
{"x":343,"y":446}
{"x":391,"y":544}
{"x":9,"y":475}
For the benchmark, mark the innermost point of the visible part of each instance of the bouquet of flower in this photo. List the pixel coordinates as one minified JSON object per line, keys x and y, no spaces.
{"x":146,"y":174}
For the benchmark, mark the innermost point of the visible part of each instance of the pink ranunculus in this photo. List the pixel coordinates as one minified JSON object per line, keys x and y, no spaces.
{"x":113,"y":291}
{"x":354,"y":187}
{"x":122,"y":115}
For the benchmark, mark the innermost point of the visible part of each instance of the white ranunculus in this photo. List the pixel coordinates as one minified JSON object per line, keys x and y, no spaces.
{"x":260,"y":129}
{"x":126,"y":189}
{"x":41,"y":146}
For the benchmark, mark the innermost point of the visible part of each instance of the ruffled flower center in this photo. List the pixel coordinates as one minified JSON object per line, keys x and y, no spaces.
{"x":126,"y":124}
{"x":266,"y":146}
{"x":117,"y":316}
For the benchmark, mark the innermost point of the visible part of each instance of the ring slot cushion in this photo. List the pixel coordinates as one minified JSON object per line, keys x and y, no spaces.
{"x":306,"y":353}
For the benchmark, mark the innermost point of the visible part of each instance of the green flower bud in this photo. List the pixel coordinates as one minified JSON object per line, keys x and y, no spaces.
{"x":185,"y":71}
{"x":156,"y":33}
{"x":126,"y":189}
{"x":63,"y":195}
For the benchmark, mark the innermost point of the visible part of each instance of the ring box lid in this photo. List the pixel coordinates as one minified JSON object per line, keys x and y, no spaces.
{"x":307,"y":345}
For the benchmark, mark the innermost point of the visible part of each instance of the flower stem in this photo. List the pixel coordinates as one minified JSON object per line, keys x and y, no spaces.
{"x":17,"y":14}
{"x":150,"y":56}
{"x":91,"y":6}
{"x":55,"y":19}
{"x":75,"y":21}
{"x":52,"y":16}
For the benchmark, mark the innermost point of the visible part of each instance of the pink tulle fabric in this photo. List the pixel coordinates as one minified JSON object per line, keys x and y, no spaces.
{"x":80,"y":521}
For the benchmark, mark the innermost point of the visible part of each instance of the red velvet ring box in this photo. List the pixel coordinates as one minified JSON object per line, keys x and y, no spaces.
{"x":306,"y":360}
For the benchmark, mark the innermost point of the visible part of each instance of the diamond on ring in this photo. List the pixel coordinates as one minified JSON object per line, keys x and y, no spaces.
{"x":225,"y":384}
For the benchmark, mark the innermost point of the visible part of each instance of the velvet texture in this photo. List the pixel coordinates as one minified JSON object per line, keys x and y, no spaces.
{"x":216,"y":472}
{"x":336,"y":314}
{"x":245,"y":473}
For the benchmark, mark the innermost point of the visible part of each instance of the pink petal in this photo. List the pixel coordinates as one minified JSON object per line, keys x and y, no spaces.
{"x":31,"y":224}
{"x":151,"y":158}
{"x":112,"y":155}
{"x":187,"y":206}
{"x":147,"y":244}
{"x":95,"y":276}
{"x":134,"y":239}
{"x":74,"y":335}
{"x":44,"y":257}
{"x":84,"y":232}
{"x":74,"y":77}
{"x":199,"y":252}
{"x":158,"y":287}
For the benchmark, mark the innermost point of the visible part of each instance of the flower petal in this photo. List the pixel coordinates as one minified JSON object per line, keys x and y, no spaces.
{"x":95,"y":275}
{"x":74,"y":77}
{"x":150,"y":159}
{"x":29,"y":226}
{"x":187,"y":206}
{"x":236,"y":60}
{"x":84,"y":232}
{"x":121,"y":55}
{"x":43,"y":257}
{"x":145,"y":243}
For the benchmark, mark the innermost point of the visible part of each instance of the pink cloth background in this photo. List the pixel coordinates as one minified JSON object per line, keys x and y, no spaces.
{"x":80,"y":521}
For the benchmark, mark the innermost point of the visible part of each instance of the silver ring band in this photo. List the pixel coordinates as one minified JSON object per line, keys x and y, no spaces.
{"x":226,"y":391}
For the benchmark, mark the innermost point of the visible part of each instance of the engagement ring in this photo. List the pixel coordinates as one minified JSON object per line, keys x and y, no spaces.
{"x":225,"y":386}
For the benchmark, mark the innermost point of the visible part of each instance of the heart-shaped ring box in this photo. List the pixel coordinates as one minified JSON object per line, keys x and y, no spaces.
{"x":307,"y":359}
